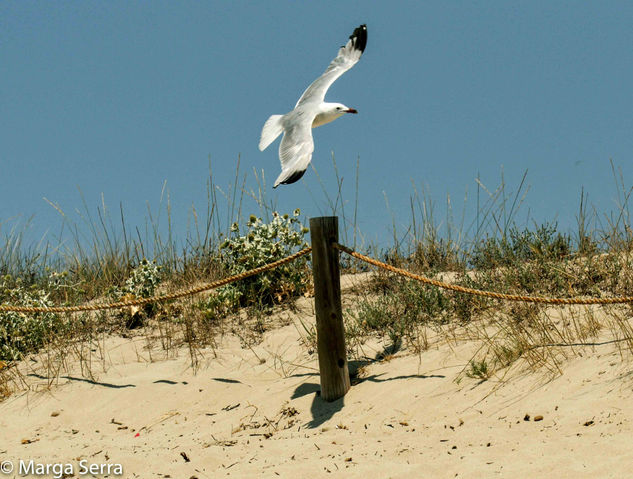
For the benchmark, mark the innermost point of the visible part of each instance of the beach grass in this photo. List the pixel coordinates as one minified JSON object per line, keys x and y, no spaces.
{"x":100,"y":257}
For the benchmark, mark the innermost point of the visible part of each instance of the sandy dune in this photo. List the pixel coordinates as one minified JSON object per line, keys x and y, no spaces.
{"x":256,"y":413}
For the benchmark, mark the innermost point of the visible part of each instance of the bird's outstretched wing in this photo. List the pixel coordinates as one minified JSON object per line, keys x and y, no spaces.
{"x":347,"y":57}
{"x":295,"y":152}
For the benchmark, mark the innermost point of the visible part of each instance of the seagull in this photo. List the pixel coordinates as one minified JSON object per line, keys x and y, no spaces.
{"x":297,"y":145}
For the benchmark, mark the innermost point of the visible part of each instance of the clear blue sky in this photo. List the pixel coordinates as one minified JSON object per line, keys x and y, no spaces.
{"x":115,"y":98}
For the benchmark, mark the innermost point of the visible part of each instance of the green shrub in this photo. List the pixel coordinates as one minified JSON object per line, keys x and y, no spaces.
{"x":479,"y":370}
{"x":142,"y":283}
{"x":143,"y":280}
{"x":22,"y":333}
{"x":400,"y":310}
{"x":544,"y":243}
{"x":261,"y":244}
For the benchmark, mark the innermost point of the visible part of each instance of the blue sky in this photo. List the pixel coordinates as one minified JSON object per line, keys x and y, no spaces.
{"x":117,"y":98}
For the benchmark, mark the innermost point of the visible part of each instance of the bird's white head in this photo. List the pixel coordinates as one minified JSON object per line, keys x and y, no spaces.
{"x":340,"y":109}
{"x":330,"y":112}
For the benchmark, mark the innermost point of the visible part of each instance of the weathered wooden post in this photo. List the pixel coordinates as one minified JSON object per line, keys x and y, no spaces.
{"x":327,"y":304}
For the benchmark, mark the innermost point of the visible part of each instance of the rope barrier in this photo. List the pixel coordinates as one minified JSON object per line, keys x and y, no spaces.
{"x":154,"y":299}
{"x":345,"y":249}
{"x":479,"y":292}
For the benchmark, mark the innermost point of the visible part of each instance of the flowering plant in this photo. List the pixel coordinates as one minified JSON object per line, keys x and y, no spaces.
{"x":22,"y":333}
{"x":261,"y":244}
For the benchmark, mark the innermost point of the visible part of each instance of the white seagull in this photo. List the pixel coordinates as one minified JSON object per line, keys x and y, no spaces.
{"x":296,"y":147}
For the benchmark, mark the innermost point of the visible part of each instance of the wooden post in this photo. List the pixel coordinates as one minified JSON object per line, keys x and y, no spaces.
{"x":327,"y":304}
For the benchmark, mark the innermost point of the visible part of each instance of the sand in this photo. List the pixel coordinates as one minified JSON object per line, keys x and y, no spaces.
{"x":256,"y":413}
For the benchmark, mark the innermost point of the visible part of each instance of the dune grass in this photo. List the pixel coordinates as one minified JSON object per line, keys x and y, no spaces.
{"x":102,"y":257}
{"x":495,"y":252}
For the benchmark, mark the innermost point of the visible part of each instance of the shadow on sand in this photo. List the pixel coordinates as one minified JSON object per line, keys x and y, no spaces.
{"x":322,"y":411}
{"x":89,"y":381}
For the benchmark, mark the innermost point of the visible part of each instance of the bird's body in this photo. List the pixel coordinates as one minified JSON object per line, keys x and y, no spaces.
{"x":297,"y":145}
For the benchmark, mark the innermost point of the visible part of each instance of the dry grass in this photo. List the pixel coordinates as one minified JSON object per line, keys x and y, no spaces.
{"x":499,"y":256}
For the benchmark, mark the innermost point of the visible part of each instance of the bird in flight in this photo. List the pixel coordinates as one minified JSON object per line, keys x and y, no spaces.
{"x":297,"y":145}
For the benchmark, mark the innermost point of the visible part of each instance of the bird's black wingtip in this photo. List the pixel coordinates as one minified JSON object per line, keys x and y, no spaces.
{"x":359,"y":37}
{"x":295,"y":176}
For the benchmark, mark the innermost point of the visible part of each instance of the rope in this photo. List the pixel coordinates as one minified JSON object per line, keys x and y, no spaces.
{"x":261,"y":269}
{"x":154,"y":299}
{"x":479,"y":292}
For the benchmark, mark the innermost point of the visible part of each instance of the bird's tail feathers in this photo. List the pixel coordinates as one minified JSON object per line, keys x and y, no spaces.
{"x":272,"y":129}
